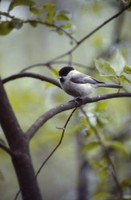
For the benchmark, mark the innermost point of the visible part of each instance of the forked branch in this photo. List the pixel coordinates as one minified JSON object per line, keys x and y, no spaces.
{"x":70,"y":105}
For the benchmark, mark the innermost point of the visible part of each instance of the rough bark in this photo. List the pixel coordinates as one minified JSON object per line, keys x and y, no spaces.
{"x":18,"y":145}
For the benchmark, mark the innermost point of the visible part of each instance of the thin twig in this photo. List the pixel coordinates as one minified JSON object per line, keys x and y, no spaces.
{"x":59,"y":143}
{"x":29,"y":21}
{"x":115,"y":43}
{"x":55,"y":62}
{"x":78,"y":43}
{"x":52,"y":26}
{"x":54,"y":150}
{"x":113,"y":171}
{"x":48,"y":65}
{"x":91,"y":33}
{"x":6,"y":14}
{"x":104,"y":23}
{"x":64,"y":107}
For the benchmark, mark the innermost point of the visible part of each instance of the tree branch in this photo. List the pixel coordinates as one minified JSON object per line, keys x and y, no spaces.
{"x":6,"y":149}
{"x":103,"y":24}
{"x":64,"y":107}
{"x":53,"y":151}
{"x":31,"y":75}
{"x":51,"y":26}
{"x":19,"y":146}
{"x":59,"y":143}
{"x":29,"y":21}
{"x":8,"y":121}
{"x":78,"y":43}
{"x":48,"y":65}
{"x":91,"y":33}
{"x":112,"y":169}
{"x":64,"y":62}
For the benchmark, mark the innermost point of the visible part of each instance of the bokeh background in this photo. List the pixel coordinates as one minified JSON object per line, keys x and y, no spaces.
{"x":31,"y":98}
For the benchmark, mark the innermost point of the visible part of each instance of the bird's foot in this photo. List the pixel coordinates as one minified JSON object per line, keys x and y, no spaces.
{"x":77,"y":100}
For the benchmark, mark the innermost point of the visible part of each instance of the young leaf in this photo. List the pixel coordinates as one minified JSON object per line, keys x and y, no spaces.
{"x":66,"y":26}
{"x":15,"y":3}
{"x":118,"y":146}
{"x":103,"y":173}
{"x":64,"y":15}
{"x":91,"y":146}
{"x":33,"y":24}
{"x":16,"y":23}
{"x":118,"y":62}
{"x":50,"y":10}
{"x":123,"y":78}
{"x":127,"y":69}
{"x":35,"y":11}
{"x":104,"y":68}
{"x":5,"y":28}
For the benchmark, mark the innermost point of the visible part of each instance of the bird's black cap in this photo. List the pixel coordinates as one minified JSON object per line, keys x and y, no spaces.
{"x":65,"y":70}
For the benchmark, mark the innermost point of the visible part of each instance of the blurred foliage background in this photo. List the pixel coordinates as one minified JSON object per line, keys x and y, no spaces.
{"x":88,"y":146}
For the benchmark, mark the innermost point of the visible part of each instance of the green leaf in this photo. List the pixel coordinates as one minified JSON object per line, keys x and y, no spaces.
{"x":123,"y":78}
{"x":33,"y":23}
{"x":16,"y":23}
{"x":64,"y":15}
{"x":6,"y":28}
{"x":96,"y":165}
{"x":66,"y":26}
{"x":117,"y":62}
{"x":35,"y":11}
{"x":99,"y":165}
{"x":104,"y":68}
{"x":57,"y":30}
{"x":15,"y":3}
{"x":118,"y":146}
{"x":127,"y":69}
{"x":50,"y":10}
{"x":103,"y":173}
{"x":102,"y":196}
{"x":91,"y":146}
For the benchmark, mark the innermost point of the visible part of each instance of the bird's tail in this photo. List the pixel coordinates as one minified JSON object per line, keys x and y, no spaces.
{"x":109,"y":85}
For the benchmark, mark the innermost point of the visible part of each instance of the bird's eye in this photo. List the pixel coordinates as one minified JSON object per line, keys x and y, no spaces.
{"x":62,"y":79}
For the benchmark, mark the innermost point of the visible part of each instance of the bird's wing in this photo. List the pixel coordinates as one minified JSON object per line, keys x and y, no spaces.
{"x":83,"y":79}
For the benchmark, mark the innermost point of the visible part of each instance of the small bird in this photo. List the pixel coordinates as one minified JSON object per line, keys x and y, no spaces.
{"x":78,"y":84}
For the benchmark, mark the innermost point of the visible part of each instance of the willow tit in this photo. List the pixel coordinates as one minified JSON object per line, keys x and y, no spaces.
{"x":78,"y":84}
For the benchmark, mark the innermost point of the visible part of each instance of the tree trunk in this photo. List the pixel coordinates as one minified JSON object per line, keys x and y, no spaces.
{"x":19,"y":148}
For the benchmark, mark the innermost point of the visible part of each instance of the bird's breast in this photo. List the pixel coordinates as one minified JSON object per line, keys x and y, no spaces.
{"x":77,"y":90}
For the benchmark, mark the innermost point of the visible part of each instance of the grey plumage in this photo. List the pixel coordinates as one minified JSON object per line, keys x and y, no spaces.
{"x":78,"y":84}
{"x":82,"y":79}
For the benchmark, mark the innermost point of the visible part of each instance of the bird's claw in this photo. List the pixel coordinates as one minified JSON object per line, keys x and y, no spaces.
{"x":77,"y":100}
